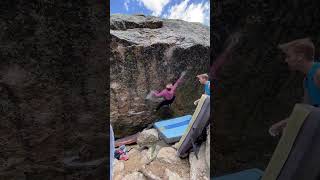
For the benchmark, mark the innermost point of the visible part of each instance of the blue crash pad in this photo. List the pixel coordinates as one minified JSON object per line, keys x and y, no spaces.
{"x":171,"y":130}
{"x":250,"y":174}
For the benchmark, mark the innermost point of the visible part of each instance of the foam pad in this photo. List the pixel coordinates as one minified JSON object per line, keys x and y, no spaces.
{"x":198,"y":123}
{"x":171,"y":130}
{"x":250,"y":174}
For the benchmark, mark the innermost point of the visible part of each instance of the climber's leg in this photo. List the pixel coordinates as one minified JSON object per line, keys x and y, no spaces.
{"x":165,"y":102}
{"x":171,"y":101}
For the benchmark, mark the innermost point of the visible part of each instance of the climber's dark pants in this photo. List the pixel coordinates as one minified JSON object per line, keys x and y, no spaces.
{"x":165,"y":102}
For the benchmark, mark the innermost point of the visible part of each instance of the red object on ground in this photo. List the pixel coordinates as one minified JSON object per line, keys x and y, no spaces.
{"x":124,"y":157}
{"x":126,"y":140}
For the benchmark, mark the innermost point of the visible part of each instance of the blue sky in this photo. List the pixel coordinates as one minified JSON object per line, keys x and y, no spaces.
{"x":188,"y":10}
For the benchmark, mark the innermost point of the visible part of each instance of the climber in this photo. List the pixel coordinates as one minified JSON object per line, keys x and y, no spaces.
{"x":300,"y":57}
{"x":169,"y":92}
{"x":224,"y":57}
{"x":204,"y":79}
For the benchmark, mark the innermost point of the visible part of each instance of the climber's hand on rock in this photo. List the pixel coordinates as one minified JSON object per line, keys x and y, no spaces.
{"x":277,"y":128}
{"x":183,"y":74}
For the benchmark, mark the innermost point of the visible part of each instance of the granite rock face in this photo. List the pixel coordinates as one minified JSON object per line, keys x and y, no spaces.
{"x":124,"y":22}
{"x":146,"y":54}
{"x":53,"y":106}
{"x":255,"y":87}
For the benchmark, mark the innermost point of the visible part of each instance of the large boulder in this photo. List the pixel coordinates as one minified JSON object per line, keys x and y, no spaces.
{"x":169,"y":175}
{"x":149,"y":174}
{"x":53,"y":82}
{"x":207,"y":153}
{"x":256,"y":88}
{"x":147,"y":137}
{"x":135,"y":161}
{"x":118,"y":168}
{"x":198,"y":167}
{"x":146,"y":54}
{"x":150,"y":153}
{"x":168,"y":155}
{"x":134,"y":176}
{"x":154,"y":163}
{"x":177,"y":170}
{"x":138,"y":21}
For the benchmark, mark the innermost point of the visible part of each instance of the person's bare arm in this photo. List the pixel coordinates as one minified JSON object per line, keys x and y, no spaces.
{"x":179,"y":81}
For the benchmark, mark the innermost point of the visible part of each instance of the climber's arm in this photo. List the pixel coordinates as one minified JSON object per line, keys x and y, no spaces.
{"x":179,"y":81}
{"x":159,"y":94}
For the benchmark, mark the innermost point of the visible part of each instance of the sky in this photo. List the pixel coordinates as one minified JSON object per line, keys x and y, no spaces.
{"x":188,"y":10}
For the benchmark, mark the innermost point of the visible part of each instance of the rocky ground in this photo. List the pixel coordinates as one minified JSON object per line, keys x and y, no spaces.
{"x":153,"y":159}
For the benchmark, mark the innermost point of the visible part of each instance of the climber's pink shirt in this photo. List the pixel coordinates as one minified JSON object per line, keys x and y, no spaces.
{"x":168,"y":95}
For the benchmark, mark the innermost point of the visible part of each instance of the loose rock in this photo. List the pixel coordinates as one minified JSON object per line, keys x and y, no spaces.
{"x":149,"y":174}
{"x":169,"y":175}
{"x":208,"y":148}
{"x":198,"y":168}
{"x":148,"y":137}
{"x":168,"y":155}
{"x":135,"y":176}
{"x":118,"y":168}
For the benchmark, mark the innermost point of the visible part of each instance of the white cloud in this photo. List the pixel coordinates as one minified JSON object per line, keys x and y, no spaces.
{"x":192,"y":12}
{"x":156,"y":6}
{"x":126,"y":4}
